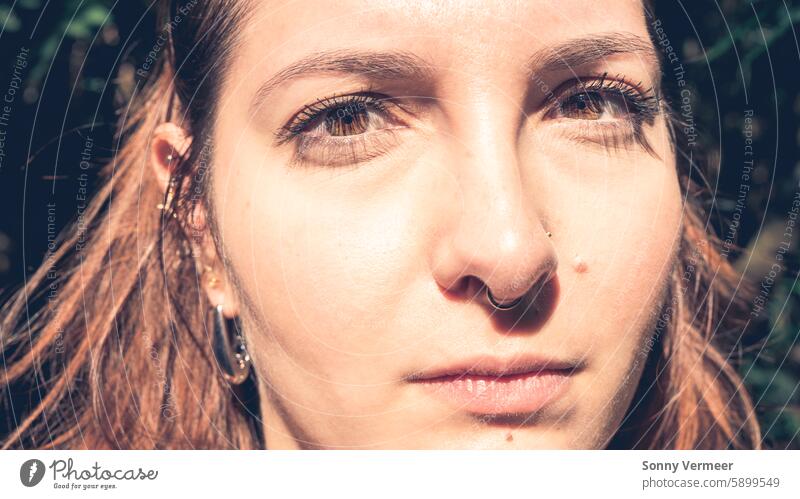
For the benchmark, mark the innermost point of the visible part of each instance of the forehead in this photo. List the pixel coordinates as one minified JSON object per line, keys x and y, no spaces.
{"x":444,"y":31}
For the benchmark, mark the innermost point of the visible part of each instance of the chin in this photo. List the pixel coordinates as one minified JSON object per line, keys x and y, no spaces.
{"x":497,"y":437}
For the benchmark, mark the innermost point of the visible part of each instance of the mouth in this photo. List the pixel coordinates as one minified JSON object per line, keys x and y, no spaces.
{"x":491,"y":386}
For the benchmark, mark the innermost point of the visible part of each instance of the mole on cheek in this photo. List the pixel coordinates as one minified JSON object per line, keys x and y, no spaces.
{"x":579,"y":264}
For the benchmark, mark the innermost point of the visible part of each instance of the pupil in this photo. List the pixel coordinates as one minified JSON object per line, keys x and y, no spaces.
{"x":347,"y":119}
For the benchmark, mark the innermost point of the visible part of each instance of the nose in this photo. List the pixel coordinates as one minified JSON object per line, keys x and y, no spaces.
{"x":491,"y":234}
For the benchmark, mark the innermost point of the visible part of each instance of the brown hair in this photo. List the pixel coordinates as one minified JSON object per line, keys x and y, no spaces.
{"x":125,"y":361}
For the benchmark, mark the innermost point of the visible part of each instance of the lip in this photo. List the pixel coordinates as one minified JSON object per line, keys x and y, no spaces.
{"x":492,"y":385}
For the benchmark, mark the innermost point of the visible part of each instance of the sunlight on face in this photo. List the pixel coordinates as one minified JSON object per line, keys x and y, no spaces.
{"x":378,"y":163}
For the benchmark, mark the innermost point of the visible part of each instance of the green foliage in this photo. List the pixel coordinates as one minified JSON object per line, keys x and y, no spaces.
{"x":10,"y":21}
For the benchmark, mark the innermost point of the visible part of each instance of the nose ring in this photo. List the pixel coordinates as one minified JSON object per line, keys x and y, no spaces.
{"x":501,"y":306}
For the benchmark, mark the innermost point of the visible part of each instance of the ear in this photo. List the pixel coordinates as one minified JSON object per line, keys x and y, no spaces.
{"x":169,"y":143}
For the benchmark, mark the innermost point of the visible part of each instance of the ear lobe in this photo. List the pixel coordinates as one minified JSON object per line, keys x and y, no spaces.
{"x":220,"y":292}
{"x":213,"y":278}
{"x":168,"y":143}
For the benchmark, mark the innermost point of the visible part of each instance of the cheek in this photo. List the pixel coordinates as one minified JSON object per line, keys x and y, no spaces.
{"x":323,"y":264}
{"x":619,"y":214}
{"x":623,"y":220}
{"x":625,"y":225}
{"x":637,"y":229}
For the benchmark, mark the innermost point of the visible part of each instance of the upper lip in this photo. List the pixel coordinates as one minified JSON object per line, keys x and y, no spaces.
{"x":488,"y":365}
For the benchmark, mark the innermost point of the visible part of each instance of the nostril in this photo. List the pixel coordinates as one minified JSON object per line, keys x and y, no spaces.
{"x":468,"y":287}
{"x":541,"y":283}
{"x":474,"y":288}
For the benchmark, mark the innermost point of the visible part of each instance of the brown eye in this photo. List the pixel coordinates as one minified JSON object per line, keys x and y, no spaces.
{"x":345,"y":119}
{"x":344,"y":129}
{"x":339,"y":116}
{"x":351,"y":119}
{"x":591,"y":105}
{"x":583,"y":106}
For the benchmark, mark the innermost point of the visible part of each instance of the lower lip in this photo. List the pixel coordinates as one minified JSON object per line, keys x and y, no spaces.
{"x":524,"y":392}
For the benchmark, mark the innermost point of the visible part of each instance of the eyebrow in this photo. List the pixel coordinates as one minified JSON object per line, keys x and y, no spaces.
{"x":586,"y":50}
{"x":397,"y":65}
{"x":376,"y":66}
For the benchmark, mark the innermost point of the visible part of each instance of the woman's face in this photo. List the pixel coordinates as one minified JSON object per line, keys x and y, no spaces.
{"x":378,"y":164}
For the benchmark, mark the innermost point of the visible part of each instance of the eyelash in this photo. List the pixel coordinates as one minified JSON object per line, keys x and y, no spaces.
{"x":307,"y":115}
{"x":345,"y":149}
{"x":642,"y":105}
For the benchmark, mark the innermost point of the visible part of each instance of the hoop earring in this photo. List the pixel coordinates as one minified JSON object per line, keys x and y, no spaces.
{"x":234,"y":361}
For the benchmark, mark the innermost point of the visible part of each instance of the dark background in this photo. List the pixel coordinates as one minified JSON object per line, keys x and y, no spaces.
{"x":738,"y":56}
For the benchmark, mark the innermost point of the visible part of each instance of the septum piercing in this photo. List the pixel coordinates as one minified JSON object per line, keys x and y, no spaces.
{"x":501,"y":306}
